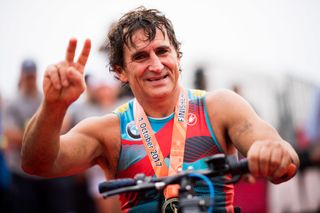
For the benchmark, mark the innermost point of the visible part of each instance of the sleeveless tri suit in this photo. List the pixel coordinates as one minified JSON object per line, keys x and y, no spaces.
{"x":200,"y":144}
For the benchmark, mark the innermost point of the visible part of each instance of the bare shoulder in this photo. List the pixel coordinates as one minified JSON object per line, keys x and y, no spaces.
{"x":227,"y":103}
{"x":230,"y":115}
{"x":223,"y":96}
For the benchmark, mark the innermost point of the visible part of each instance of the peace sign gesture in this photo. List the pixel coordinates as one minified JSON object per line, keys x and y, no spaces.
{"x":64,"y":82}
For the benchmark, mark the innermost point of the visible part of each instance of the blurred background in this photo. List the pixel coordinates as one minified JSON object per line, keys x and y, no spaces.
{"x":267,"y":51}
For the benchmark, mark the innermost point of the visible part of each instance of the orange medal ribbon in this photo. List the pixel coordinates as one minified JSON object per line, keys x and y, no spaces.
{"x":177,"y":145}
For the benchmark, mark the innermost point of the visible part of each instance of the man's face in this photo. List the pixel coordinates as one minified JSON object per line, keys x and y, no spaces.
{"x":29,"y":80}
{"x":151,"y":68}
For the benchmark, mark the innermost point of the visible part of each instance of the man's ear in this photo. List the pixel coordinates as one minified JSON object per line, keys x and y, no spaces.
{"x":179,"y":55}
{"x":122,"y":75}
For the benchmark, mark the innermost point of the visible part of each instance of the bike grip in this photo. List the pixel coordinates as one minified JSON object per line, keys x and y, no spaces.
{"x":240,"y":167}
{"x":115,"y":184}
{"x":244,"y":166}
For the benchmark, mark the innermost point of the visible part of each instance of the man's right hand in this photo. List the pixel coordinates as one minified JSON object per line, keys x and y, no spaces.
{"x":64,"y":82}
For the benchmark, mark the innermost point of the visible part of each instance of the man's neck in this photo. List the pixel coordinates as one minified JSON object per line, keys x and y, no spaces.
{"x":159,"y":108}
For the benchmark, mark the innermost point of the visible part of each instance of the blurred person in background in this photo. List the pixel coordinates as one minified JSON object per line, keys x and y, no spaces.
{"x":30,"y":193}
{"x":145,"y":54}
{"x":100,"y":99}
{"x":200,"y":79}
{"x":5,"y":203}
{"x":311,"y":152}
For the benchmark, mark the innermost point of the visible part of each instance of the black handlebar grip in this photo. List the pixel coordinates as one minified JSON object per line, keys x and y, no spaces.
{"x":116,"y":184}
{"x":240,"y":167}
{"x":244,"y":166}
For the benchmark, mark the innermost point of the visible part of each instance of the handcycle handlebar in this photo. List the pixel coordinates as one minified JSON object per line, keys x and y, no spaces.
{"x":218,"y":165}
{"x":115,"y":184}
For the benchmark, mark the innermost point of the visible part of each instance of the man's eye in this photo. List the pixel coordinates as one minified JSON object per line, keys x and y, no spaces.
{"x":139,"y":57}
{"x":162,"y":51}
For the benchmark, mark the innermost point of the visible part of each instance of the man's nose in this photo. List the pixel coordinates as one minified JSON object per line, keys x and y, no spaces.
{"x":155,"y":63}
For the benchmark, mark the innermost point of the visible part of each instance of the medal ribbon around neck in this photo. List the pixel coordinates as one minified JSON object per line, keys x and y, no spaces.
{"x":151,"y":144}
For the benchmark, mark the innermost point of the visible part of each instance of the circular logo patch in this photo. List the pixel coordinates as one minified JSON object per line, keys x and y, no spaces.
{"x":132,"y":130}
{"x":192,"y":119}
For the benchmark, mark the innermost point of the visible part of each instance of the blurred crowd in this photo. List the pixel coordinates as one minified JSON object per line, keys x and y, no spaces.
{"x":20,"y":192}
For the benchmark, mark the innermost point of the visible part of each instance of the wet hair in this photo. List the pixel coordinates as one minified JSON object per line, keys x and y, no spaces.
{"x":121,"y":33}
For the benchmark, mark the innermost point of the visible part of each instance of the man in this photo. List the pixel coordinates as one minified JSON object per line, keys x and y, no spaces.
{"x":144,"y":52}
{"x":30,"y":193}
{"x":17,"y":112}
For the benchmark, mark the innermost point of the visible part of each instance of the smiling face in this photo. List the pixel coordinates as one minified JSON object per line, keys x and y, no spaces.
{"x":150,"y":67}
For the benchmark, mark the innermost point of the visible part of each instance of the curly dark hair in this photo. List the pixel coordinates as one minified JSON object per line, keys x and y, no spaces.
{"x":121,"y":33}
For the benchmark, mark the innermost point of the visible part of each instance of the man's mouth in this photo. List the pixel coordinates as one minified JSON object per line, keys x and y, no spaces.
{"x":157,"y":78}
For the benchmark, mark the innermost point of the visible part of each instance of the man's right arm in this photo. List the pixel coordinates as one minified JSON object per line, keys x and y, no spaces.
{"x":46,"y":153}
{"x":41,"y":141}
{"x":62,"y":85}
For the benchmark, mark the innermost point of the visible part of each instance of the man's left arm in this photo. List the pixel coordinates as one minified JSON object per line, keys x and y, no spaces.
{"x":268,"y":154}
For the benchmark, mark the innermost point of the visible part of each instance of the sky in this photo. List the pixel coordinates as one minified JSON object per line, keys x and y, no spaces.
{"x":264,"y":38}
